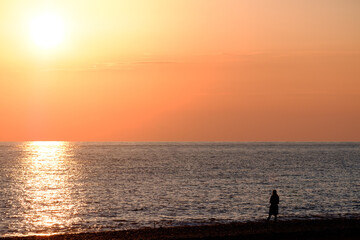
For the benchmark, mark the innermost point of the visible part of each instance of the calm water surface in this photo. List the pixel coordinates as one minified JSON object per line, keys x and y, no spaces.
{"x":57,"y":187}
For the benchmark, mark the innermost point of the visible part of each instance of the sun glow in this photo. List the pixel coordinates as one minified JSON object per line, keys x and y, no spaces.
{"x":47,"y":30}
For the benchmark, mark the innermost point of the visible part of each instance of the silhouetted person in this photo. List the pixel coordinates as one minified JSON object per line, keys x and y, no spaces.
{"x":274,"y":209}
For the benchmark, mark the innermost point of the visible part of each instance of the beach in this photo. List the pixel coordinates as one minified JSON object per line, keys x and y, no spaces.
{"x":155,"y":119}
{"x":339,"y":228}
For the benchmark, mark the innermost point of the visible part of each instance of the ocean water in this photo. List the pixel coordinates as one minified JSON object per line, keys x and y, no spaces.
{"x":62,"y":187}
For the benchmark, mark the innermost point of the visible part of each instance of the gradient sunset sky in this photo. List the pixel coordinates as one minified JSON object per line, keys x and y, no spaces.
{"x":182,"y":70}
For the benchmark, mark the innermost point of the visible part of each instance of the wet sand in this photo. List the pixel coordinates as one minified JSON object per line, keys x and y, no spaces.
{"x":295,"y":229}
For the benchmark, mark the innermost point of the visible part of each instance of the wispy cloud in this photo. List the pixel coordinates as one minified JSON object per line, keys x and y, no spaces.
{"x":110,"y":66}
{"x":210,"y":58}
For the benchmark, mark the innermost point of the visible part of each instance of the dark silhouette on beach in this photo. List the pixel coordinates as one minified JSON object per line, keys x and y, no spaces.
{"x":274,"y":208}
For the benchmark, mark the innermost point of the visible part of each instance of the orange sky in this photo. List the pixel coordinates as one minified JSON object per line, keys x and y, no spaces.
{"x":183,"y":70}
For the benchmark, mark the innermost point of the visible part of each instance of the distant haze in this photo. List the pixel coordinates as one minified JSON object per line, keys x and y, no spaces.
{"x":183,"y":70}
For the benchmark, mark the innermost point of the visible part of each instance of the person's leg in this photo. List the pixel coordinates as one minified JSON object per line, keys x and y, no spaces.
{"x":275,"y":217}
{"x":268,"y":217}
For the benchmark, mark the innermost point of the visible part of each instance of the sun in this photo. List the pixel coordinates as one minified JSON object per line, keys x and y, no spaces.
{"x":47,"y":30}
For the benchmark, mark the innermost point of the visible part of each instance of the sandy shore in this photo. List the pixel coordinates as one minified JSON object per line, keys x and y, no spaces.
{"x":295,"y":229}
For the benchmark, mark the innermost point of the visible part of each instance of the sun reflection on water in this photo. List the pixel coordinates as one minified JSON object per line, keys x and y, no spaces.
{"x":47,"y":196}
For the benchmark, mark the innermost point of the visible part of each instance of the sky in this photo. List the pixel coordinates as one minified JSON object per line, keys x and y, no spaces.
{"x":180,"y":70}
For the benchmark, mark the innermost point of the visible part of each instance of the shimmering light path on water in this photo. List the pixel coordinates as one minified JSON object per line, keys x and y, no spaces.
{"x":57,"y":187}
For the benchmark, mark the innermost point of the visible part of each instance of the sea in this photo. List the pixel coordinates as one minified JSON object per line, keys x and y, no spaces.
{"x":71,"y":187}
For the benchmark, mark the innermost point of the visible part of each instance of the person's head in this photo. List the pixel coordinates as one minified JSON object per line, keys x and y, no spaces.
{"x":274,"y":192}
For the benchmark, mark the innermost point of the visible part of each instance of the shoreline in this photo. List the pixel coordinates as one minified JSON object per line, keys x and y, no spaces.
{"x":340,"y":228}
